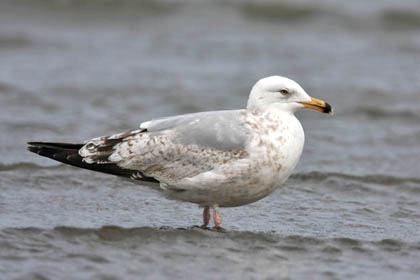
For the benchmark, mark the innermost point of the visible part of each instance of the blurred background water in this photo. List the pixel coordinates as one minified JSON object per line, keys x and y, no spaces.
{"x":75,"y":69}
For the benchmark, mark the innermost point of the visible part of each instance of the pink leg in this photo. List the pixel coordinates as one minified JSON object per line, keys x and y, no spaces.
{"x":206,"y":216}
{"x":216,"y":217}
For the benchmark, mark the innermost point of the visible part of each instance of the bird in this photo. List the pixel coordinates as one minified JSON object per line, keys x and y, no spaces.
{"x":214,"y":159}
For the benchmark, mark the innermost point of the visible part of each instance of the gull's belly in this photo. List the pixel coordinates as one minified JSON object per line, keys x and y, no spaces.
{"x":271,"y":163}
{"x":273,"y":152}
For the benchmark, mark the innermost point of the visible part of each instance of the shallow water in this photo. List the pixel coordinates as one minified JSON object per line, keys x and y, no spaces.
{"x":72,"y":70}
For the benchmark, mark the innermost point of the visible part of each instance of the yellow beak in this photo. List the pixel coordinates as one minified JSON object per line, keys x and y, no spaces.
{"x":319,"y":105}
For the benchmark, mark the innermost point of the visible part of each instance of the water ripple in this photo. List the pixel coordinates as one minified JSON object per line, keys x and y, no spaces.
{"x":167,"y":234}
{"x":375,"y":179}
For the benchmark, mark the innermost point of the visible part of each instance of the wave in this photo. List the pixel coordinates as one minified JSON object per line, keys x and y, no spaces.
{"x":147,"y":234}
{"x":312,"y":176}
{"x":90,"y":6}
{"x":6,"y":88}
{"x":34,"y":126}
{"x":374,"y":179}
{"x":27,"y":166}
{"x":97,"y":251}
{"x":116,"y":233}
{"x":401,"y":19}
{"x":381,"y":113}
{"x":279,"y":11}
{"x":14,"y":41}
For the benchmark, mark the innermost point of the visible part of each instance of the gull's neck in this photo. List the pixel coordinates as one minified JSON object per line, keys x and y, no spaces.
{"x":275,"y":108}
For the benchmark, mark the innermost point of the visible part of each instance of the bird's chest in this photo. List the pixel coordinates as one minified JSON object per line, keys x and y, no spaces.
{"x":276,"y":144}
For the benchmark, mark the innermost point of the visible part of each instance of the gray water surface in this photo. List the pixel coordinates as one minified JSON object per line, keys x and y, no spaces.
{"x":73,"y":70}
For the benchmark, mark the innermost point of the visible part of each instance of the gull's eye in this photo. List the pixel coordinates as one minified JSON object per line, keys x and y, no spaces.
{"x":284,"y":91}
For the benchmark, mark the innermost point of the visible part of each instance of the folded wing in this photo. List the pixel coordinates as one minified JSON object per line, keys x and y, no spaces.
{"x":173,"y":148}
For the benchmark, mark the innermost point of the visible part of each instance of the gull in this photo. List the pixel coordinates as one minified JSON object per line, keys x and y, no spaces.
{"x":214,"y":159}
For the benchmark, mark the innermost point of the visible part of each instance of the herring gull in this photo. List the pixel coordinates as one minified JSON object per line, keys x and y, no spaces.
{"x":214,"y":159}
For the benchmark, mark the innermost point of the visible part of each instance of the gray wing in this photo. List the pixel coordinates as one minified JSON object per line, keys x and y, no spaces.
{"x":222,"y":130}
{"x":174,"y":148}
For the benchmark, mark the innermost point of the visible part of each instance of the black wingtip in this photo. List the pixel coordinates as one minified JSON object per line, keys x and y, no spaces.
{"x":69,"y":154}
{"x":56,"y":145}
{"x":32,"y":143}
{"x":32,"y":148}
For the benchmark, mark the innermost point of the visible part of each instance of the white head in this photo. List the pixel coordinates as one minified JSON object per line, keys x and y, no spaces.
{"x":284,"y":94}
